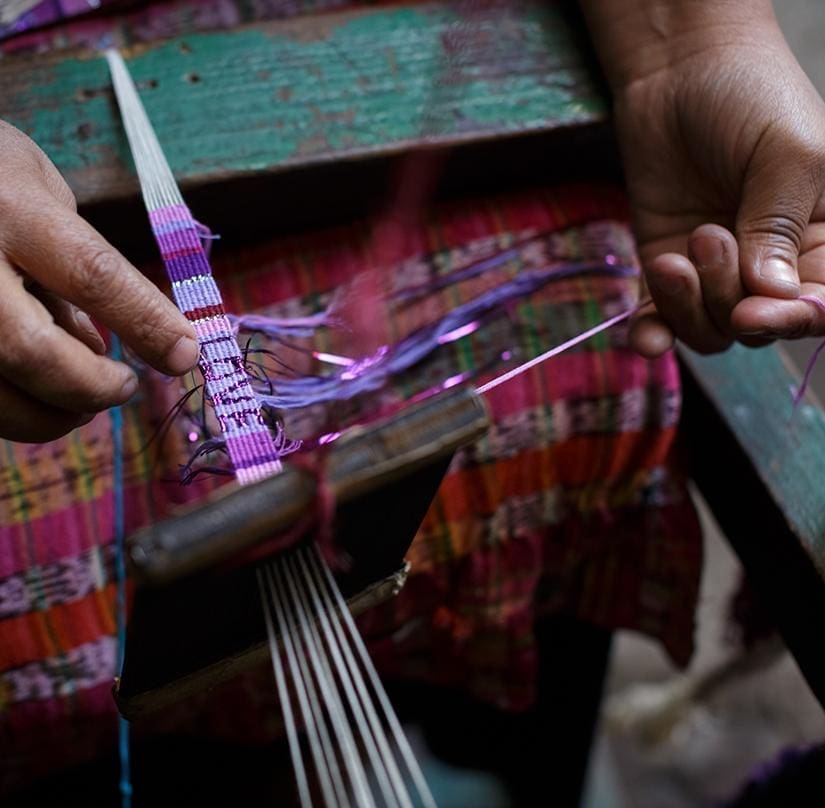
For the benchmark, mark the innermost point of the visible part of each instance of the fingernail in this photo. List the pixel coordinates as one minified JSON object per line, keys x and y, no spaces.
{"x":129,"y":388}
{"x":755,"y":334}
{"x":84,"y":323}
{"x":184,"y":356}
{"x":708,"y":252}
{"x":778,"y":271}
{"x":668,"y":283}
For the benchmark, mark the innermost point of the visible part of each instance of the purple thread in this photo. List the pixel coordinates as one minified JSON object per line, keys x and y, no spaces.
{"x":254,"y":449}
{"x":354,"y":377}
{"x":811,"y":364}
{"x":282,"y":327}
{"x":372,"y":373}
{"x":565,"y":346}
{"x":485,"y":264}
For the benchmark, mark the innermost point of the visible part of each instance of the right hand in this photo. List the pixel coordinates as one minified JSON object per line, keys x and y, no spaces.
{"x":56,"y":271}
{"x":724,"y":147}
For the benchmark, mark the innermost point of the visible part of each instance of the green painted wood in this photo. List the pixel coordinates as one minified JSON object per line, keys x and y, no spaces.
{"x":750,"y":390}
{"x":328,"y":87}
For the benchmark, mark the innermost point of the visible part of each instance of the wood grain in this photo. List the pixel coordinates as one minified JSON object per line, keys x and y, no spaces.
{"x":785,"y":446}
{"x":759,"y":464}
{"x":303,"y":92}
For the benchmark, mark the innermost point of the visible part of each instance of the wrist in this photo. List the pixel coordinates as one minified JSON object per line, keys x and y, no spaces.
{"x":638,"y":38}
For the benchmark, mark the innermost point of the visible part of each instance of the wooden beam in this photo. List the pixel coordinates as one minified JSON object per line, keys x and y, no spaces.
{"x":309,"y":91}
{"x":760,"y":465}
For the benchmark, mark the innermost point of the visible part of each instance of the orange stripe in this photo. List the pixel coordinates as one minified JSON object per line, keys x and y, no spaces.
{"x":582,"y":460}
{"x":27,"y":638}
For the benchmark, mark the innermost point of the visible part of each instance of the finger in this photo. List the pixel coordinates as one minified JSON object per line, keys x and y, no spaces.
{"x":48,"y":363}
{"x":755,"y":342}
{"x":776,"y":208}
{"x":67,"y":256}
{"x":770,"y":318}
{"x":24,"y":419}
{"x":812,"y":259}
{"x":71,"y":319}
{"x":26,"y":163}
{"x":649,"y":335}
{"x":676,"y":291}
{"x":714,"y":253}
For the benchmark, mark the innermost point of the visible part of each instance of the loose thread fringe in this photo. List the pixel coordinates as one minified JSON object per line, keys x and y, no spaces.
{"x":357,"y":376}
{"x":371,"y":373}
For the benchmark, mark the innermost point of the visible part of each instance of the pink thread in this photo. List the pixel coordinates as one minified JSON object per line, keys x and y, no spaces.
{"x":458,"y":333}
{"x":809,"y":367}
{"x":565,"y":346}
{"x":333,"y":359}
{"x":323,"y":497}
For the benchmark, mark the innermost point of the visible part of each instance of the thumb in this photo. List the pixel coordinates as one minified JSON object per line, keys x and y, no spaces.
{"x":776,"y":208}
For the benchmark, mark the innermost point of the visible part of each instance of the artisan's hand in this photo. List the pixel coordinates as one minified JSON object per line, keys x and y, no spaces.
{"x":55,"y":271}
{"x":718,"y":124}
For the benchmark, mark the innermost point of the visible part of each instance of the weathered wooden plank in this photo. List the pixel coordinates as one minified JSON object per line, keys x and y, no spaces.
{"x":760,"y":464}
{"x":300,"y":92}
{"x":785,"y":446}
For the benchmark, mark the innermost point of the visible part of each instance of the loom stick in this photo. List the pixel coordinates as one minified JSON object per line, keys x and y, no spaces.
{"x":234,"y":519}
{"x":362,"y":460}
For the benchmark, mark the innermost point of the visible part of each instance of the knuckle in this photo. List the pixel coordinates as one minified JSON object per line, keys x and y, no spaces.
{"x":811,"y":155}
{"x":54,"y":182}
{"x":97,"y":276}
{"x":10,"y":196}
{"x":24,"y":173}
{"x":781,"y":233}
{"x":61,"y":191}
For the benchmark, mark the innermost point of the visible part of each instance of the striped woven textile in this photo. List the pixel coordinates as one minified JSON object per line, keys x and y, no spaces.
{"x":570,"y":504}
{"x":249,"y":443}
{"x":17,"y":16}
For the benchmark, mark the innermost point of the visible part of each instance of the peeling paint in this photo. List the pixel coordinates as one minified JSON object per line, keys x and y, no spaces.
{"x":257,"y":98}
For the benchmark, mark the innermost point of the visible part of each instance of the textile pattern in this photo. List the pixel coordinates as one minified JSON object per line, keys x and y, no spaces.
{"x":250,"y":445}
{"x":569,"y":505}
